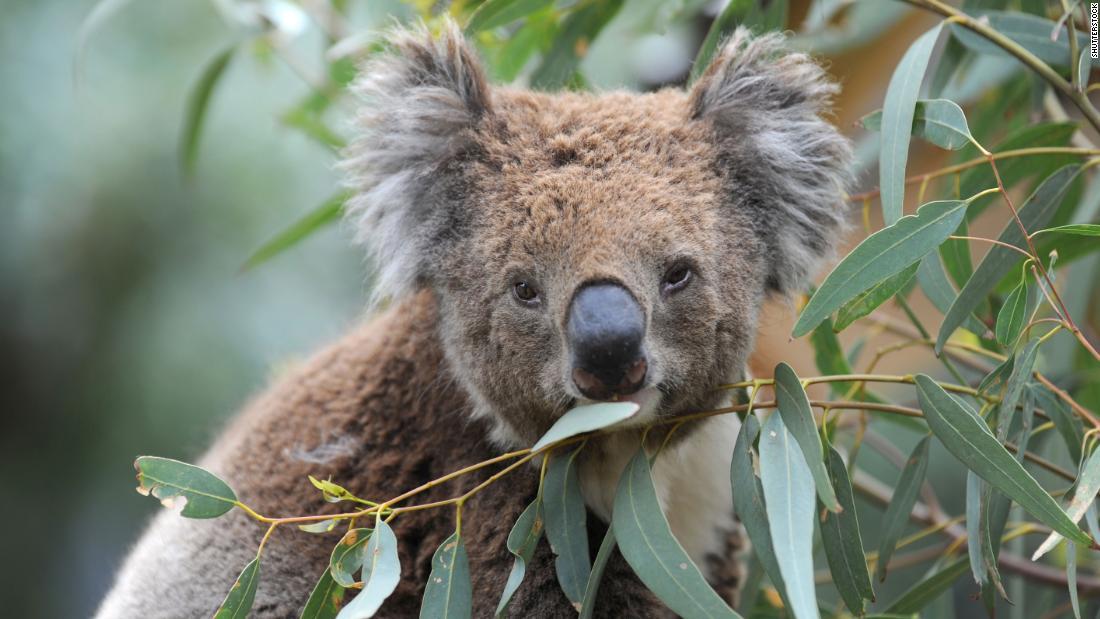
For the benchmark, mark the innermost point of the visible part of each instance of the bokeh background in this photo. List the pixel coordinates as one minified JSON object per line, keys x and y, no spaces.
{"x":127,"y":325}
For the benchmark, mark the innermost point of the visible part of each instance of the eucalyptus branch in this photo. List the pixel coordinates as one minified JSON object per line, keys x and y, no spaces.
{"x":1022,"y":54}
{"x":973,"y":163}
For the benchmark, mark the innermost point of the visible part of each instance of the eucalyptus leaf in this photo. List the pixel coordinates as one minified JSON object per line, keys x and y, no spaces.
{"x":898,"y":110}
{"x":1071,"y":579}
{"x":448,"y":593}
{"x":327,"y":213}
{"x":843,"y":543}
{"x":493,"y":13}
{"x":578,"y":30}
{"x":592,"y":590}
{"x":197,"y":105}
{"x":1013,"y":315}
{"x":969,"y":440}
{"x":647,"y":544}
{"x":566,"y":524}
{"x":1035,"y":213}
{"x":381,"y":574}
{"x":901,"y":505}
{"x":789,"y":501}
{"x":748,"y":502}
{"x":794,"y":407}
{"x":323,"y":526}
{"x":881,"y":255}
{"x":1074,"y":229}
{"x":348,"y":556}
{"x":522,"y":541}
{"x":587,"y":418}
{"x":940,"y":121}
{"x":1031,"y":32}
{"x":928,"y":589}
{"x":1014,"y":388}
{"x":867,"y":301}
{"x":325,"y":600}
{"x":202,"y":493}
{"x":1084,"y":495}
{"x":238,"y":603}
{"x":1068,"y":425}
{"x":722,"y":26}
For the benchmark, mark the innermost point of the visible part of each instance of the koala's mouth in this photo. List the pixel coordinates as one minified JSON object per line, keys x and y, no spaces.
{"x":648,"y":400}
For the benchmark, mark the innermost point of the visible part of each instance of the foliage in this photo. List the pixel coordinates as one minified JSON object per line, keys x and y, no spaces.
{"x":1000,"y":332}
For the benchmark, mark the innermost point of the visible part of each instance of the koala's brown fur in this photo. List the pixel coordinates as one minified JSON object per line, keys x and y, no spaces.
{"x":461,"y":191}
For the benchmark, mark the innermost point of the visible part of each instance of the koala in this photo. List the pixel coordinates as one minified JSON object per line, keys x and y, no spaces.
{"x":535,"y":251}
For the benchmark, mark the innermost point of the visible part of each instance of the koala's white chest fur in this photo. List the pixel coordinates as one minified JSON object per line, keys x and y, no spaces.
{"x":692,"y":479}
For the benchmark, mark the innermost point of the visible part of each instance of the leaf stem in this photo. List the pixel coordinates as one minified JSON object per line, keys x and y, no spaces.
{"x":973,"y":163}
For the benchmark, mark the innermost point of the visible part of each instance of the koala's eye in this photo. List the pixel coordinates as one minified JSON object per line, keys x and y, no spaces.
{"x":676,"y":279}
{"x":525,"y":293}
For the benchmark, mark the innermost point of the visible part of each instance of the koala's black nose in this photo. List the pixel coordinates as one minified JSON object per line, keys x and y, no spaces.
{"x":606,"y":330}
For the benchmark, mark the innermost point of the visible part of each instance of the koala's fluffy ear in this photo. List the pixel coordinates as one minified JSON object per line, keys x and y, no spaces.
{"x":789,"y":166}
{"x":421,"y":103}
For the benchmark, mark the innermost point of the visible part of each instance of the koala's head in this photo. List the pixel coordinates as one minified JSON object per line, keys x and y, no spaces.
{"x":595,"y":247}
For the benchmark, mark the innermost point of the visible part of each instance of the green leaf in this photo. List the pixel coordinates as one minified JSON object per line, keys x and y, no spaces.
{"x":955,"y":254}
{"x":976,"y":535}
{"x":940,"y":121}
{"x":881,"y":255}
{"x":794,"y":407}
{"x":1013,"y":314}
{"x":309,"y":122}
{"x":566,"y":524}
{"x":587,"y":418}
{"x":1068,"y":425}
{"x":331,"y":492}
{"x":843,"y":543}
{"x":311,"y":222}
{"x":647,"y":544}
{"x":381,"y":573}
{"x":927,"y":590}
{"x":324,"y":602}
{"x":867,"y":301}
{"x":1084,"y":493}
{"x":197,"y":104}
{"x":513,"y":55}
{"x":1029,"y":31}
{"x":722,"y":26}
{"x":495,"y":13}
{"x":905,"y":496}
{"x":1074,"y":229}
{"x":238,"y":602}
{"x":768,"y":16}
{"x":789,"y":501}
{"x":578,"y":30}
{"x":1071,"y":579}
{"x":347,"y":557}
{"x":203,"y":494}
{"x":898,"y":111}
{"x":522,"y":540}
{"x":448,"y":594}
{"x":1036,"y":211}
{"x":965,"y":436}
{"x":592,"y":590}
{"x":323,"y":526}
{"x":1016,"y":169}
{"x":1017,"y":380}
{"x":748,"y":502}
{"x":933,"y":282}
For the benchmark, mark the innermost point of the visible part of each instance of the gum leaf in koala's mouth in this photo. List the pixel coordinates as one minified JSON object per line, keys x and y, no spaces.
{"x":587,"y":419}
